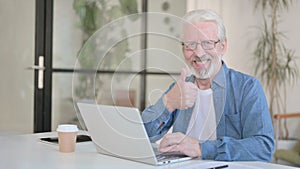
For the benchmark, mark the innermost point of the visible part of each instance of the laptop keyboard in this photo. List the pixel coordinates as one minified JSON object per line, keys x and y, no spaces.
{"x":166,"y":156}
{"x":169,"y":156}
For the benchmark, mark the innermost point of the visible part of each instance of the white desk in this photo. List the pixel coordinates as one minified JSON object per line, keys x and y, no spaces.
{"x":27,"y":152}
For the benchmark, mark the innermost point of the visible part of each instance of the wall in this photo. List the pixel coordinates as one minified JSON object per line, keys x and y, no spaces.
{"x":291,"y":26}
{"x":16,"y":54}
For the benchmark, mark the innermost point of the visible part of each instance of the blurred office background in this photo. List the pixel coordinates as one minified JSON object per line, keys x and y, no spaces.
{"x":27,"y":107}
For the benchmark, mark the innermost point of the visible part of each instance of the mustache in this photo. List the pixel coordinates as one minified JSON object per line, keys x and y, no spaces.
{"x":201,"y":58}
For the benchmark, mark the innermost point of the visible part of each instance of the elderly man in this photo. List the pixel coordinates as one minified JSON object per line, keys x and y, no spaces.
{"x":217,"y":113}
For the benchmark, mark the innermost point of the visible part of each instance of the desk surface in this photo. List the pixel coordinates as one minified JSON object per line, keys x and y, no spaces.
{"x":27,"y":152}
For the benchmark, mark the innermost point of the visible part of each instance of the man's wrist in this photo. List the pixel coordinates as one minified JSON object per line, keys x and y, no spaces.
{"x":200,"y":147}
{"x":167,"y":104}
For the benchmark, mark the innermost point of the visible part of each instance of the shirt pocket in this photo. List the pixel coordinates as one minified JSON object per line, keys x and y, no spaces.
{"x":233,"y":125}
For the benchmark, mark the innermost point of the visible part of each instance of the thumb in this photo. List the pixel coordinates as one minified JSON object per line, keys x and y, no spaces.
{"x":183,"y":74}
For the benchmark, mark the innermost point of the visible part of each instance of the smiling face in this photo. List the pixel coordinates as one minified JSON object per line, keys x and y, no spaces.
{"x":204,"y":61}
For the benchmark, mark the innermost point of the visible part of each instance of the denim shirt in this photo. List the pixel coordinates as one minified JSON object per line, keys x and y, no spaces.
{"x":244,"y":125}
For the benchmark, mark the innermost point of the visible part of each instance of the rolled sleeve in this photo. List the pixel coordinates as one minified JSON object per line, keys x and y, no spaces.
{"x":157,"y":120}
{"x":231,"y":149}
{"x":209,"y":149}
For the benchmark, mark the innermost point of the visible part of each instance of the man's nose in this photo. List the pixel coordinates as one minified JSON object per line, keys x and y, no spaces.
{"x":199,"y":51}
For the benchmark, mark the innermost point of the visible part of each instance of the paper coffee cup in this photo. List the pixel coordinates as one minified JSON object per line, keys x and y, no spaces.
{"x":67,"y":134}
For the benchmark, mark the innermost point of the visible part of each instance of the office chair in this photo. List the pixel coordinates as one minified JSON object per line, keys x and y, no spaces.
{"x":292,"y":155}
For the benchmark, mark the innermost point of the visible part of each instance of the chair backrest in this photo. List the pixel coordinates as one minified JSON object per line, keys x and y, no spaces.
{"x":297,"y":147}
{"x":278,"y":118}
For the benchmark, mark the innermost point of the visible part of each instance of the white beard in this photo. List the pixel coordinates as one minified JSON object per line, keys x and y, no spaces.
{"x":204,"y":73}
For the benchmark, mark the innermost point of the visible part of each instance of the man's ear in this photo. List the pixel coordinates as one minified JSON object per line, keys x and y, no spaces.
{"x":224,"y":46}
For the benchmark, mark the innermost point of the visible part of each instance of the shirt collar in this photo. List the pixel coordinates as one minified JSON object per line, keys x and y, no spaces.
{"x":220,"y":78}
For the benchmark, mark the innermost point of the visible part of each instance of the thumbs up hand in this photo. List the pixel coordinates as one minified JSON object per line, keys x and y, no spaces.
{"x":182,"y":96}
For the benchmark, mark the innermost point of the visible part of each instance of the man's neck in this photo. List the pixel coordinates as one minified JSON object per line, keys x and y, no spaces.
{"x":203,"y":84}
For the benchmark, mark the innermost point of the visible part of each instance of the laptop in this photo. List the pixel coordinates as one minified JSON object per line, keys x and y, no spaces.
{"x":119,"y":132}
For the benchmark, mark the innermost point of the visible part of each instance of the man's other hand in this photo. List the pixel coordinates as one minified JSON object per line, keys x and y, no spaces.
{"x":178,"y":142}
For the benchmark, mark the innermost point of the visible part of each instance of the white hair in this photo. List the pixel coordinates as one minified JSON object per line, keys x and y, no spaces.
{"x":203,"y":15}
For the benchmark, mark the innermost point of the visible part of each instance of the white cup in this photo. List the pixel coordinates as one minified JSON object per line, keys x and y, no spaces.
{"x":67,"y":134}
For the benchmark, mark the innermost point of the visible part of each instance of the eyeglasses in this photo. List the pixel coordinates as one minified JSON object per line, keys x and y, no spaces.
{"x":206,"y":45}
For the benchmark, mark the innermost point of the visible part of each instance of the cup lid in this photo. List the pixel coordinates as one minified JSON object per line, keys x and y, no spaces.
{"x":67,"y":128}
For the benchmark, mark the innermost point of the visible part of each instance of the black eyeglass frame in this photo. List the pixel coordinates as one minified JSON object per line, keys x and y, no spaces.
{"x":187,"y":45}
